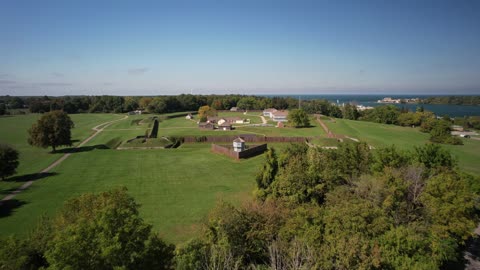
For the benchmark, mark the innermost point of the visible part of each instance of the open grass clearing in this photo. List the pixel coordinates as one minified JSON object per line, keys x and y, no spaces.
{"x":13,"y":130}
{"x":176,"y":187}
{"x":379,"y":135}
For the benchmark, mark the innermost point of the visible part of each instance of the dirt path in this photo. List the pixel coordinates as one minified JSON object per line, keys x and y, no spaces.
{"x":97,"y":129}
{"x":263,"y":119}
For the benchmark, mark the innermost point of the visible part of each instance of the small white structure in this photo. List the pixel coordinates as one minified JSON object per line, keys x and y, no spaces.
{"x":280,"y":116}
{"x":268,"y":112}
{"x":221,"y":121}
{"x":189,"y":116}
{"x":363,"y":108}
{"x":238,"y":145}
{"x":234,"y":109}
{"x":276,"y":115}
{"x":135,"y":112}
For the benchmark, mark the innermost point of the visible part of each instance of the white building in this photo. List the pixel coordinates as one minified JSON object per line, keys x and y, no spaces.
{"x":238,"y":145}
{"x":280,"y":116}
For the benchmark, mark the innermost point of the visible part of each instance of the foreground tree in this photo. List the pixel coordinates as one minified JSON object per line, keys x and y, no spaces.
{"x":52,"y":129}
{"x":93,"y":231}
{"x":8,"y":161}
{"x":298,"y":118}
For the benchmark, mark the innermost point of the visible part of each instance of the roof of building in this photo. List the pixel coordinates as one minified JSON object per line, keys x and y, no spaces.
{"x":239,"y":140}
{"x":226,"y":124}
{"x":233,"y":118}
{"x":280,"y":113}
{"x":270,"y":110}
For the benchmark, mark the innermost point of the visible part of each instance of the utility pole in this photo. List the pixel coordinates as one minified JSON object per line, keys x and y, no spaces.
{"x":299,"y":105}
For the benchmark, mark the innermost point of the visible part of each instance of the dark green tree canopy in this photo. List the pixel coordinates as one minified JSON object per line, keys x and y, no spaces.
{"x":93,"y":231}
{"x":8,"y":160}
{"x":52,"y":129}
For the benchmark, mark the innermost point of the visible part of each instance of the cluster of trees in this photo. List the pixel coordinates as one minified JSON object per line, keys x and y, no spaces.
{"x":157,"y":104}
{"x":439,"y":129}
{"x":163,"y":104}
{"x":468,"y":122}
{"x":349,"y":208}
{"x":455,"y":100}
{"x":93,"y":231}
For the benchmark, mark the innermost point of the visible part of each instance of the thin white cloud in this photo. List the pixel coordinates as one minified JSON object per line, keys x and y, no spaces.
{"x":137,"y":71}
{"x":58,"y":74}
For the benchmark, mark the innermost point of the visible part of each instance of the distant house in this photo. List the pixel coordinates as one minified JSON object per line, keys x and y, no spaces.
{"x":276,"y":115}
{"x":213,"y":119}
{"x":225,"y":126}
{"x":242,"y":121}
{"x":206,"y":125}
{"x":268,"y":112}
{"x":189,"y":116}
{"x":280,"y":116}
{"x":234,"y":109}
{"x":238,"y":144}
{"x":231,"y":120}
{"x":457,"y":128}
{"x":135,"y":112}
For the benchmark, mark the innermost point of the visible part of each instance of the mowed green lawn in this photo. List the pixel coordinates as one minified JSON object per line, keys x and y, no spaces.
{"x":175,"y":187}
{"x":13,"y":130}
{"x":379,"y":135}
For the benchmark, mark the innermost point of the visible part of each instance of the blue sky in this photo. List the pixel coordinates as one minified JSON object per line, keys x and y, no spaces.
{"x":245,"y":47}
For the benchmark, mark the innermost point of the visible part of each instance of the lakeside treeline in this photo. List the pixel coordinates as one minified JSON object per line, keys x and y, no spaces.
{"x":452,"y":100}
{"x":185,"y":102}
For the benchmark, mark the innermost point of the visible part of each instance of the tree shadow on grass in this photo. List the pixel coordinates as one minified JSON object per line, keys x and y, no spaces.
{"x":29,"y":177}
{"x":8,"y":207}
{"x":81,"y":149}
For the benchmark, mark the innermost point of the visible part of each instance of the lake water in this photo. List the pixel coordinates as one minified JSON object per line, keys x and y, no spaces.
{"x":371,"y":100}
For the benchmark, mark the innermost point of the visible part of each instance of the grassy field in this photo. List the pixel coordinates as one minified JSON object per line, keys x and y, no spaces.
{"x":176,"y":187}
{"x":183,"y":127}
{"x":13,"y":130}
{"x":405,"y":138}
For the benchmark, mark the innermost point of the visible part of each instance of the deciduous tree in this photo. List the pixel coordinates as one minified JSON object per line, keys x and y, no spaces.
{"x":205,"y":111}
{"x":8,"y":160}
{"x":52,"y":129}
{"x":105,"y":231}
{"x":298,"y":118}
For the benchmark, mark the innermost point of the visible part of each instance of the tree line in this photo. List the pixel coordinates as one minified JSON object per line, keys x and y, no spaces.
{"x":153,"y":104}
{"x":453,"y":100}
{"x":163,"y":104}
